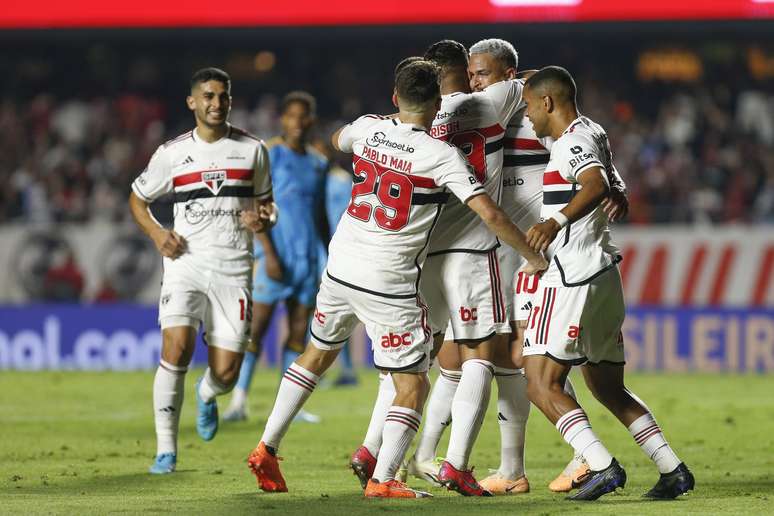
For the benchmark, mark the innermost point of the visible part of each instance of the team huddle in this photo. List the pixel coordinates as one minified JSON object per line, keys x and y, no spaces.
{"x":476,"y":236}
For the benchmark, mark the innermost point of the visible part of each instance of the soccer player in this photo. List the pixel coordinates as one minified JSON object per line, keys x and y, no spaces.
{"x":219,"y":176}
{"x":376,"y":255}
{"x":524,"y":161}
{"x":338,"y":190}
{"x":578,"y":310}
{"x":288,"y":257}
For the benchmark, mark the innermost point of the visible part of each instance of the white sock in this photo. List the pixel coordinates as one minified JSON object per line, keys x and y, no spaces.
{"x":296,"y":386}
{"x":468,"y":410}
{"x":512,"y":414}
{"x":437,"y":414}
{"x":569,"y":389}
{"x":649,"y":437}
{"x":373,"y":438}
{"x":238,"y":398}
{"x":576,"y":430}
{"x":209,"y":388}
{"x":168,"y":391}
{"x":400,"y":427}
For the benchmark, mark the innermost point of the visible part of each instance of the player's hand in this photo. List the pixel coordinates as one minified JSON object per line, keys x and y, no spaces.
{"x":254,"y":221}
{"x":535,"y":266}
{"x":616,"y":205}
{"x":269,"y":213}
{"x":170,"y":244}
{"x":273,"y":267}
{"x":540,"y":236}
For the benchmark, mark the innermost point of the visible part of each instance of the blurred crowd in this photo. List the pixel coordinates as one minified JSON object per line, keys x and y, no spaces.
{"x":690,"y":153}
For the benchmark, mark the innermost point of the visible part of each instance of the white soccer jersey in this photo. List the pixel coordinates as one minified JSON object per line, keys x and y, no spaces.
{"x":212,"y":183}
{"x":402,"y":179}
{"x":525,"y":157}
{"x":474,"y":122}
{"x":582,"y":249}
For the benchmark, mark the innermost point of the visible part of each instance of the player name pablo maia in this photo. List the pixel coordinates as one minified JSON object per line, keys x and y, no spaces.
{"x":391,"y":162}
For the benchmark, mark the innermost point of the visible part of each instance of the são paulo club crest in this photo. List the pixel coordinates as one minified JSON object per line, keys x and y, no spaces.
{"x":214,"y":180}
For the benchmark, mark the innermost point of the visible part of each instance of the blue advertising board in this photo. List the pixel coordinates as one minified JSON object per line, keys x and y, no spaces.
{"x":126,"y":337}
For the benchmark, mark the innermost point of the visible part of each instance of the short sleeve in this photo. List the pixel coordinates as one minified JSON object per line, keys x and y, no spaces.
{"x":355,"y":130}
{"x":577,"y":154}
{"x":457,"y":175}
{"x":506,"y":97}
{"x":261,"y":173}
{"x":156,"y":179}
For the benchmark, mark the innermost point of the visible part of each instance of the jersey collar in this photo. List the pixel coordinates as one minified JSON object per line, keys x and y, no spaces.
{"x":197,"y":139}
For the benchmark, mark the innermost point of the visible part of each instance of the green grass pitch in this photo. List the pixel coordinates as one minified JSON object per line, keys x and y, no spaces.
{"x":78,"y":443}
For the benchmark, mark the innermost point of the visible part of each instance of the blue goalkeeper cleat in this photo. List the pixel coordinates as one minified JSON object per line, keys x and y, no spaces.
{"x":206,"y":416}
{"x":163,"y":464}
{"x":593,"y":484}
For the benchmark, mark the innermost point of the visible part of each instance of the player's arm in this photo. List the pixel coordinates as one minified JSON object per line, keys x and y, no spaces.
{"x":616,"y":205}
{"x":169,"y":243}
{"x":264,"y":213}
{"x":594,"y":189}
{"x":335,"y":139}
{"x":153,"y":182}
{"x":270,"y":255}
{"x":501,"y":225}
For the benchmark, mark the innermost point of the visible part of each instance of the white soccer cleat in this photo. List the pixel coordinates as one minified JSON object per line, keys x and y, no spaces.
{"x":235,"y":413}
{"x":426,"y":470}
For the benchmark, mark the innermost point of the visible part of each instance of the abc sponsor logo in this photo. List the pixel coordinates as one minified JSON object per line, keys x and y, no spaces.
{"x":468,"y":314}
{"x":396,"y":340}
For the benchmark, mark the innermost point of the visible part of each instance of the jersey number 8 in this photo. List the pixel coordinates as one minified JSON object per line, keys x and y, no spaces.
{"x":392,"y":189}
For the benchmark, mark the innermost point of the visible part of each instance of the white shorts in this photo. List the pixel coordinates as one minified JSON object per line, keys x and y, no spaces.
{"x":225,"y":311}
{"x":464,"y":291}
{"x":574,"y":325}
{"x":400,"y":335}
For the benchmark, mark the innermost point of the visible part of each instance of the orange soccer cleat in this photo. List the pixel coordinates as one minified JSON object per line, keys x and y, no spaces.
{"x":565,"y":481}
{"x":500,"y":485}
{"x":392,"y":489}
{"x":265,"y":466}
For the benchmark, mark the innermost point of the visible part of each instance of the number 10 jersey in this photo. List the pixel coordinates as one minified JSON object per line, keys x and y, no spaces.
{"x":403,"y":177}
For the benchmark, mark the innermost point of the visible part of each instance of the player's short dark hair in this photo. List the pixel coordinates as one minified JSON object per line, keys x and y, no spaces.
{"x":555,"y":81}
{"x":407,"y":61}
{"x":210,"y":74}
{"x":302,"y":97}
{"x":417,"y":83}
{"x":447,"y":53}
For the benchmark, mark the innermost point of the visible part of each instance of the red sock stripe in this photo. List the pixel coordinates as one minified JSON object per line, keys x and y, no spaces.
{"x":646,"y":434}
{"x":405,"y":419}
{"x":298,"y":378}
{"x":650,"y":425}
{"x":571,"y":421}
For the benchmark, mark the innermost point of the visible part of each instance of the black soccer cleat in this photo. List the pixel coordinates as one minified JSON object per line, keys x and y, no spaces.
{"x":594,"y":484}
{"x":672,"y":484}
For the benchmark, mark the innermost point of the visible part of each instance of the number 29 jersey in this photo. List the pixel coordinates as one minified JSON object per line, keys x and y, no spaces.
{"x":402,"y":180}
